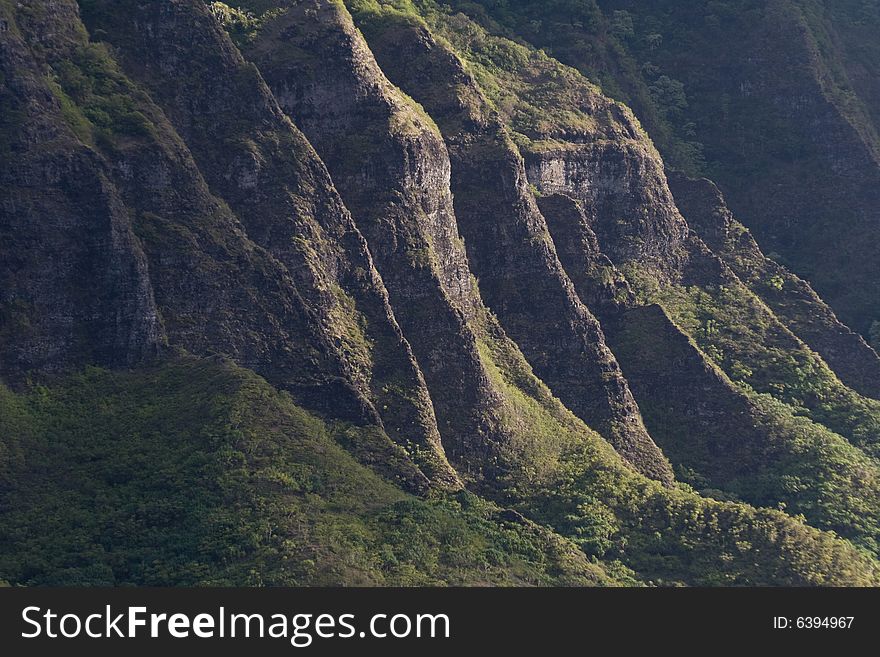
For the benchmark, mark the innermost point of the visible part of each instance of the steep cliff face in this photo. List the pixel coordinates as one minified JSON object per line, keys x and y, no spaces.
{"x":789,"y":297}
{"x":621,"y":185}
{"x":599,"y":283}
{"x":759,"y":96}
{"x":576,"y":141}
{"x":772,"y":105}
{"x":850,"y":26}
{"x":652,"y":246}
{"x":508,"y":244}
{"x":667,"y":263}
{"x":525,"y":242}
{"x":337,"y":318}
{"x":74,"y":287}
{"x":738,"y":331}
{"x":391,"y":167}
{"x":692,"y":408}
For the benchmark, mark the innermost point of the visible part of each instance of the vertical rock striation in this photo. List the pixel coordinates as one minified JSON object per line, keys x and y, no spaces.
{"x":789,"y":297}
{"x":509,"y":247}
{"x":74,"y":285}
{"x":391,"y":168}
{"x":260,"y":263}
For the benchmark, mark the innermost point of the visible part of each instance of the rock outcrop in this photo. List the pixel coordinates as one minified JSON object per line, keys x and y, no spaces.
{"x":268,"y":269}
{"x":392,"y":169}
{"x":74,"y":285}
{"x":791,"y":298}
{"x":392,"y":299}
{"x":510,"y":248}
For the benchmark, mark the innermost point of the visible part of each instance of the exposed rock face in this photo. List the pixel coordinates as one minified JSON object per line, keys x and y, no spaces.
{"x":595,"y":154}
{"x":289,"y":290}
{"x":719,"y":437}
{"x":762,"y":97}
{"x":690,"y":406}
{"x":392,"y":170}
{"x":597,"y":280}
{"x":510,"y":249}
{"x":493,"y":286}
{"x":74,"y":287}
{"x":791,"y":298}
{"x":219,"y":152}
{"x":622,"y":188}
{"x":773,"y":103}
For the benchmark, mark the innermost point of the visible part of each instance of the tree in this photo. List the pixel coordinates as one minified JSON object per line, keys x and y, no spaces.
{"x":668,"y":94}
{"x":622,"y":25}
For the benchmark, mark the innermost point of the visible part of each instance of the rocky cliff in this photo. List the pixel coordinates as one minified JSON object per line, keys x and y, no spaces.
{"x":372,"y":278}
{"x":791,"y":298}
{"x":74,"y":276}
{"x":509,"y":246}
{"x":757,"y":96}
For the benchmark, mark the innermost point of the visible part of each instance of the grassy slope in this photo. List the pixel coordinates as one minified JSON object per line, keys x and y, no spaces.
{"x":732,"y":443}
{"x":577,"y":485}
{"x":581,"y":35}
{"x":743,"y":337}
{"x":198,"y":472}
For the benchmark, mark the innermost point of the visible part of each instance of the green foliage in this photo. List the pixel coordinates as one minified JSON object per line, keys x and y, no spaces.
{"x":564,"y":476}
{"x":744,"y":338}
{"x":606,"y":47}
{"x":72,"y":114}
{"x":669,"y":534}
{"x":96,"y":100}
{"x":241,"y":23}
{"x":199,"y":473}
{"x":815,"y":473}
{"x":622,"y":25}
{"x":537,"y":96}
{"x":669,"y":96}
{"x":776,"y":282}
{"x":751,"y":446}
{"x":551,"y":460}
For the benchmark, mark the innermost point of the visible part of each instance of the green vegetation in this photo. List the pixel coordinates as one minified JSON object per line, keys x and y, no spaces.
{"x":601,"y":45}
{"x":743,"y":445}
{"x":199,"y":473}
{"x":241,"y":24}
{"x":196,"y":471}
{"x":749,"y":446}
{"x":544,"y":103}
{"x":706,"y":80}
{"x":542,"y":100}
{"x":572,"y":481}
{"x":96,"y":100}
{"x":822,"y":476}
{"x":538,"y":98}
{"x":815,"y":472}
{"x":744,"y":338}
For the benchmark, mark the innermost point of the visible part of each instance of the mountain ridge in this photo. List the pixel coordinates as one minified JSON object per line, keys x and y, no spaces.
{"x":463,"y":264}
